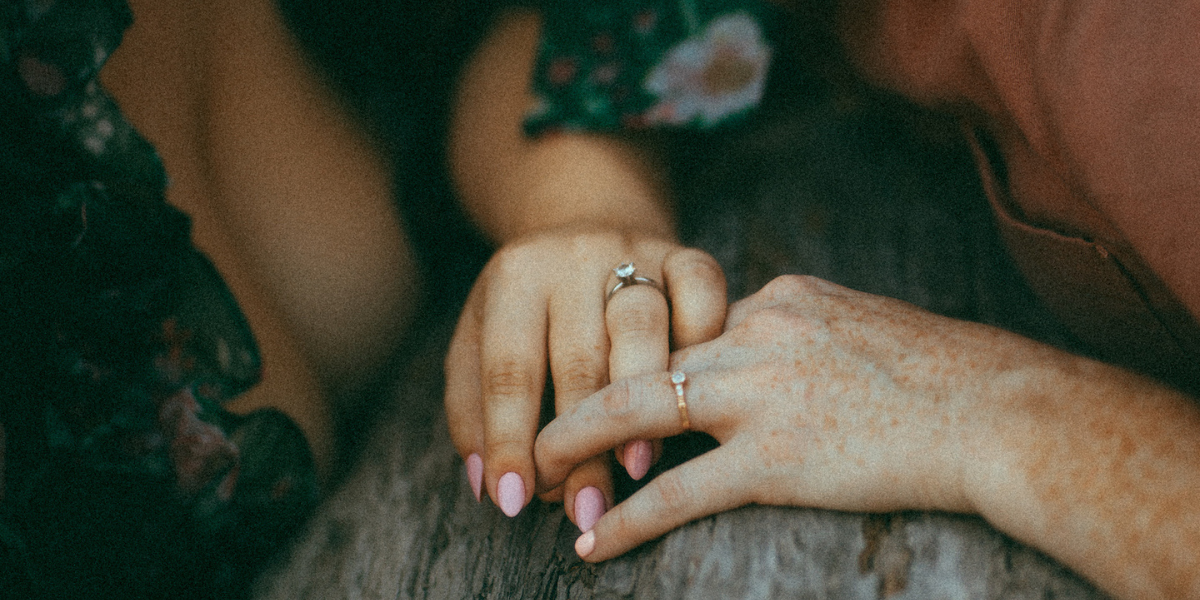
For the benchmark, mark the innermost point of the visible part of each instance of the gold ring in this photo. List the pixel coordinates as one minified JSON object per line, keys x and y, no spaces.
{"x":678,"y":379}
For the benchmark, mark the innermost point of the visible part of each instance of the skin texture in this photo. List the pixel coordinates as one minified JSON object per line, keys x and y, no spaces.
{"x":1097,"y":124}
{"x":822,"y":396}
{"x":1094,"y":106}
{"x":287,"y":196}
{"x":565,"y":210}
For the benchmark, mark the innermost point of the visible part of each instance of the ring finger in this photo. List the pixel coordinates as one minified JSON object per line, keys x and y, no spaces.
{"x":638,"y":324}
{"x":645,"y":407}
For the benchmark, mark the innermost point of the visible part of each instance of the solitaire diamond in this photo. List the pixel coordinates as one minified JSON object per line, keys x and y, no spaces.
{"x":678,"y":377}
{"x":625,"y":270}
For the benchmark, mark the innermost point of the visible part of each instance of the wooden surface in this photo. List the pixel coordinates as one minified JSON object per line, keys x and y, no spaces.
{"x":832,"y":192}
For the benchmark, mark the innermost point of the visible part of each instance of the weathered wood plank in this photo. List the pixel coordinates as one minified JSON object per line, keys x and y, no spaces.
{"x":406,"y":526}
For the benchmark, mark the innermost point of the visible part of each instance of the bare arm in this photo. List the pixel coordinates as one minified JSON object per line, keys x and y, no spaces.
{"x":1100,"y":99}
{"x":286,"y":195}
{"x":565,"y":210}
{"x":307,"y":195}
{"x":1099,"y":468}
{"x":874,"y":405}
{"x":1095,"y":465}
{"x":512,"y":185}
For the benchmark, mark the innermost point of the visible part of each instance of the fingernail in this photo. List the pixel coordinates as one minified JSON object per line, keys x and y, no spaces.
{"x":589,"y":507}
{"x":511,"y":490}
{"x":585,"y":544}
{"x":637,"y":458}
{"x":475,"y":475}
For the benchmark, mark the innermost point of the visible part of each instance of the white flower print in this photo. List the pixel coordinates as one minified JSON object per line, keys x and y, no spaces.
{"x":707,"y":77}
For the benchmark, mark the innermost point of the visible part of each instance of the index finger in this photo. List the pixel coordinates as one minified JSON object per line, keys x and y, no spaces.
{"x":710,"y":483}
{"x":644,"y":407}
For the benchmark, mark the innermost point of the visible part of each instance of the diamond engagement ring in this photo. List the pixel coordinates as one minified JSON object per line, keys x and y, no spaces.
{"x":627,"y":276}
{"x":678,"y":379}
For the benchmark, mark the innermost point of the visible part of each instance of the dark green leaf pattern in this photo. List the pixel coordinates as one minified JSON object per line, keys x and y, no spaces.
{"x":625,"y":64}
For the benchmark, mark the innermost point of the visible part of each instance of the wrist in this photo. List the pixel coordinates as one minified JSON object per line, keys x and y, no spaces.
{"x":1034,"y":434}
{"x":1006,"y":418}
{"x":572,"y":180}
{"x":1083,"y":455}
{"x":649,"y":228}
{"x":1019,"y":400}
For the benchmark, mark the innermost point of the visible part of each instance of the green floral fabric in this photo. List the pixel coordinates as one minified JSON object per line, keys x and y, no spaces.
{"x":121,"y":474}
{"x":636,"y":64}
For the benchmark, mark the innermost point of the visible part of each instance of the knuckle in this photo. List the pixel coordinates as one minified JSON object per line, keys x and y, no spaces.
{"x":513,"y":264}
{"x":670,"y":489}
{"x":518,"y":251}
{"x":506,"y":378}
{"x":636,"y":318}
{"x":586,"y":244}
{"x":790,"y":285}
{"x":501,"y":446}
{"x":503,"y":256}
{"x":513,"y":261}
{"x":578,"y":374}
{"x":694,"y":262}
{"x":618,"y":402}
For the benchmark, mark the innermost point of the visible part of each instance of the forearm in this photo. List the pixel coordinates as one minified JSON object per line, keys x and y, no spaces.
{"x":305,"y":195}
{"x":1097,"y":467}
{"x":511,"y":185}
{"x":161,"y":96}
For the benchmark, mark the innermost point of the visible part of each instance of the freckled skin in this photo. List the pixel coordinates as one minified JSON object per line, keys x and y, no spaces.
{"x":1064,"y":453}
{"x":1130,"y":458}
{"x":821,"y":396}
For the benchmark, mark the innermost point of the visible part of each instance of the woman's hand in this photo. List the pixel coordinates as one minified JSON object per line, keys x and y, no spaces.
{"x":542,"y":301}
{"x":819,"y":396}
{"x":565,"y":210}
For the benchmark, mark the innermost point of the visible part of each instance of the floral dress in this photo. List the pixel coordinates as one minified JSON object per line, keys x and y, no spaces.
{"x":637,"y":64}
{"x":121,"y":475}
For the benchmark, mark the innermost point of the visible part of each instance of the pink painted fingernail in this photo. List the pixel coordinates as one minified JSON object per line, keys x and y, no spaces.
{"x":475,"y":475}
{"x":637,"y":458}
{"x":511,"y":490}
{"x":585,"y":544}
{"x":589,"y":507}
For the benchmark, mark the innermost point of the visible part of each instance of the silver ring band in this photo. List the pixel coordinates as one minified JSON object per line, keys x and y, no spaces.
{"x":626,"y":277}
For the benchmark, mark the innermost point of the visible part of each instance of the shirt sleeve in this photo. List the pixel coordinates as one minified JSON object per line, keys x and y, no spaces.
{"x":629,"y":65}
